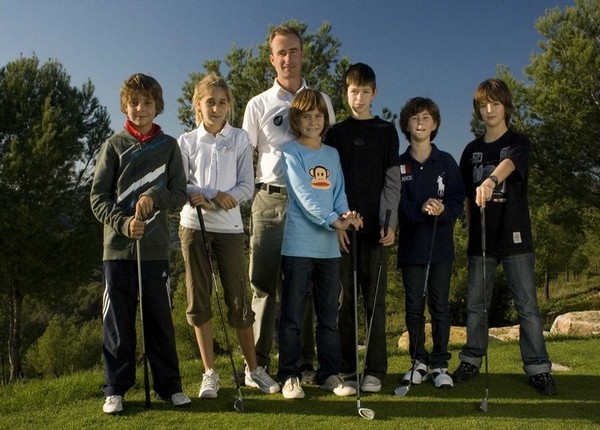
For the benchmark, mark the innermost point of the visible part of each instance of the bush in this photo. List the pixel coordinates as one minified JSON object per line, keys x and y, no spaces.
{"x":65,"y":348}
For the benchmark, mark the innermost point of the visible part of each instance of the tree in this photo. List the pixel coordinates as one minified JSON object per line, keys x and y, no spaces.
{"x":249,"y":74}
{"x":50,"y":133}
{"x":564,"y":103}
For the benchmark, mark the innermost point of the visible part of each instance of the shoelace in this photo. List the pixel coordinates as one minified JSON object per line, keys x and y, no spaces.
{"x":209,"y":382}
{"x":542,"y":377}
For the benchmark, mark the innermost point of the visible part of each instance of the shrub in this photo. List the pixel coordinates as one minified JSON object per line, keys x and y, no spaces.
{"x":64,"y":348}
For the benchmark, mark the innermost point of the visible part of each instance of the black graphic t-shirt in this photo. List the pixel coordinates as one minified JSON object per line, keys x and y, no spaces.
{"x":508,"y":226}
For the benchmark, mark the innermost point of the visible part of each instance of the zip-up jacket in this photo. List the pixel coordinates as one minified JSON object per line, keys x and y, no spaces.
{"x":126,"y":170}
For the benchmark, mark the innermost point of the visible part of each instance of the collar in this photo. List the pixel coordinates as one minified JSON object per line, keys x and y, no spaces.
{"x":139,"y":136}
{"x":435,"y":153}
{"x":280,"y":90}
{"x":202,"y":133}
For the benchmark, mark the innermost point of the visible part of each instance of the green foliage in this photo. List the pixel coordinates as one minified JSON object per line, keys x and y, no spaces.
{"x":50,"y":132}
{"x":250,"y":73}
{"x":557,"y":235}
{"x":564,"y":101}
{"x":65,"y":347}
{"x":590,"y":247}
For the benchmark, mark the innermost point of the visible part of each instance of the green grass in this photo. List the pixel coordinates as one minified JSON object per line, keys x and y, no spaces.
{"x":74,"y":402}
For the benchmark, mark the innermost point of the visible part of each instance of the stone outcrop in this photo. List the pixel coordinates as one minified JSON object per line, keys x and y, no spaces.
{"x":584,"y":323}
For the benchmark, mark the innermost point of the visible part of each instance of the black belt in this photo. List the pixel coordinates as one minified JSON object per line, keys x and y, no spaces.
{"x":272,"y":189}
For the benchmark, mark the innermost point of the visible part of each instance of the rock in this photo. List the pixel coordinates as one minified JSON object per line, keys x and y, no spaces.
{"x":560,"y":368}
{"x":584,"y":323}
{"x":458,"y":336}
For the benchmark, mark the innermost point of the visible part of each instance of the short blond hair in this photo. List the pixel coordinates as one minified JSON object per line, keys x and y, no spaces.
{"x":285,"y":30}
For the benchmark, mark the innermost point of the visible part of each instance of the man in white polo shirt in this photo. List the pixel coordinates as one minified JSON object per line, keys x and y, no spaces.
{"x":266,"y":121}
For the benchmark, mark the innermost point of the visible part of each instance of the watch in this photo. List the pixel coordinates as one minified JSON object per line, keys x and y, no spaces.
{"x":495,"y":179}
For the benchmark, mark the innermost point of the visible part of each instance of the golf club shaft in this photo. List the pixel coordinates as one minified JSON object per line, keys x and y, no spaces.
{"x":139,"y":272}
{"x":424,"y":299}
{"x":207,"y":247}
{"x":485,"y":304}
{"x":354,"y":252}
{"x":382,"y":253}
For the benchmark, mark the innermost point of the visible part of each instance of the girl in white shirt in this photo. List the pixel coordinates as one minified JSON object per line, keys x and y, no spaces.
{"x":217,"y":160}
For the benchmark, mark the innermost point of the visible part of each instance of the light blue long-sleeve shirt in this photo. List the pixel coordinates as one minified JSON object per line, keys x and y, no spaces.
{"x":315,"y":185}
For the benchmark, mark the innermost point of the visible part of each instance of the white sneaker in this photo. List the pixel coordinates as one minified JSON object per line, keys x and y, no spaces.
{"x":337,"y":386}
{"x":371,"y":384}
{"x":441,"y":378}
{"x":420,"y":374}
{"x":292,"y":389}
{"x":210,"y":385}
{"x":113,"y":405}
{"x":259,"y":378}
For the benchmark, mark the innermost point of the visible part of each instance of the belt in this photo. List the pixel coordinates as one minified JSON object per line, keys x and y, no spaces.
{"x":272,"y":189}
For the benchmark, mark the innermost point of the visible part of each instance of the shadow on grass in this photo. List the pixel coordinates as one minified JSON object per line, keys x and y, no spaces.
{"x":510,"y":396}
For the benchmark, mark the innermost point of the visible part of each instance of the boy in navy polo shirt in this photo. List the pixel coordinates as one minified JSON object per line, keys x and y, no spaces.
{"x":431,"y":187}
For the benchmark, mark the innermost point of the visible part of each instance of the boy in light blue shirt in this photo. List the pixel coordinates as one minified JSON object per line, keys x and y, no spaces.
{"x":317,"y":208}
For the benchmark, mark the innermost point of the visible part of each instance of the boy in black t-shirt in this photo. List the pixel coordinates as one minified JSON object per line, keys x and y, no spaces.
{"x":495,"y":170}
{"x":368,"y":148}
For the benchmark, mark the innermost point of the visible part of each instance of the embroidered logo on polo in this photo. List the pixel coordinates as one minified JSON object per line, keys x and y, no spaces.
{"x":405,"y":173}
{"x":441,"y":185}
{"x":278,"y":120}
{"x":319,"y":176}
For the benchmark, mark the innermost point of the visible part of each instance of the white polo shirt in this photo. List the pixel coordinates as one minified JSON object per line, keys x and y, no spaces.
{"x":212,"y":164}
{"x":266,"y":120}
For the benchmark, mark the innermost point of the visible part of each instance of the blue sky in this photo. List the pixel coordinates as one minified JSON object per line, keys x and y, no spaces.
{"x":437,"y":49}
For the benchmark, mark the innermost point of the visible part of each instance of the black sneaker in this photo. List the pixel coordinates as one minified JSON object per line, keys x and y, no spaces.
{"x":464,"y":372}
{"x":544,"y":383}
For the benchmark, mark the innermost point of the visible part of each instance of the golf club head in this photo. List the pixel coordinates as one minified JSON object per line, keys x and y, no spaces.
{"x":402,"y":390}
{"x":367,"y":414}
{"x":238,"y":405}
{"x":484,"y":405}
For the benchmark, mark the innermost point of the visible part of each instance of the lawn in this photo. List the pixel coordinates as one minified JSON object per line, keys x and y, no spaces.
{"x":74,"y":402}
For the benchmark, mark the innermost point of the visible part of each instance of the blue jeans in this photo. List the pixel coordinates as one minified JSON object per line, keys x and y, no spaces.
{"x":266,"y":235}
{"x":438,"y":289}
{"x":519,"y":270}
{"x":298,"y":273}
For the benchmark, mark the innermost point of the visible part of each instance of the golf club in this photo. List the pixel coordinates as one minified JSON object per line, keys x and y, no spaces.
{"x":139,"y":272}
{"x":386,"y":225}
{"x":484,"y":402}
{"x":402,"y":390}
{"x":238,"y":405}
{"x":366,"y":413}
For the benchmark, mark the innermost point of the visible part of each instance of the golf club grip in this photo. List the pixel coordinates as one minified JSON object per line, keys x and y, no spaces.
{"x":386,"y":224}
{"x":433,"y":232}
{"x":482,"y":222}
{"x":353,"y":249}
{"x":203,"y":230}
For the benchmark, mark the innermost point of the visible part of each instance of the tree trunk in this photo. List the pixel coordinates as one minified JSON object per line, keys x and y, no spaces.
{"x":547,"y":284}
{"x":14,"y":336}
